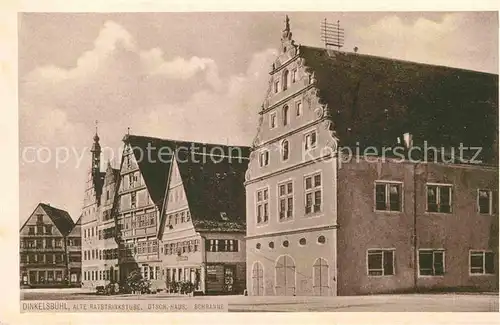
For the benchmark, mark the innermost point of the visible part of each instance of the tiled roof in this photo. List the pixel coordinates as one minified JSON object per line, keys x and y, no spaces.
{"x":77,"y":228}
{"x":212,"y":186}
{"x":61,"y":219}
{"x":374,"y":100}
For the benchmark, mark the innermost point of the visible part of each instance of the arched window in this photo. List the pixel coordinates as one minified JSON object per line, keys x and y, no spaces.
{"x":320,"y":278}
{"x":285,"y":115}
{"x":285,"y":79}
{"x":285,"y":276}
{"x":257,"y":279}
{"x":285,"y":150}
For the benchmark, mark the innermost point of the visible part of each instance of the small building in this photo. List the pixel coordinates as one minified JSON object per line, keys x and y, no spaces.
{"x":74,"y":254}
{"x":43,"y":251}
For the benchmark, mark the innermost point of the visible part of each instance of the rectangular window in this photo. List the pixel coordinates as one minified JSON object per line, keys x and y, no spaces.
{"x":272,"y":120}
{"x":388,"y":196}
{"x":48,"y":229}
{"x":310,"y":140}
{"x":431,"y":262}
{"x":313,"y":191}
{"x":264,"y":158}
{"x":481,"y":262}
{"x":487,"y":201}
{"x":439,"y":198}
{"x":39,"y":230}
{"x":380,"y":262}
{"x":39,"y":218}
{"x":285,"y":192}
{"x":262,"y":206}
{"x":294,"y":75}
{"x":298,"y":108}
{"x":31,"y":230}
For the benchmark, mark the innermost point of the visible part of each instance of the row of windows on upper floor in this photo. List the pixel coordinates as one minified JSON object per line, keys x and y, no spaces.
{"x":40,"y":229}
{"x":388,"y":197}
{"x":310,"y":141}
{"x":313,"y":197}
{"x":285,"y":115}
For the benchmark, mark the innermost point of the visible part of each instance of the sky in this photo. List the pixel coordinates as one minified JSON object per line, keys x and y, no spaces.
{"x":187,"y":76}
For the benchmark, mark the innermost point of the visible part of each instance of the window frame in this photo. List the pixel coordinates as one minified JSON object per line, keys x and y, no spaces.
{"x":433,"y":251}
{"x":491,"y":207}
{"x":483,"y":252}
{"x":286,"y":196}
{"x":387,"y":184}
{"x":262,"y":203}
{"x":285,"y":111}
{"x":382,"y":250}
{"x":298,"y":108}
{"x":264,"y":162}
{"x":438,"y":197}
{"x":282,"y":150}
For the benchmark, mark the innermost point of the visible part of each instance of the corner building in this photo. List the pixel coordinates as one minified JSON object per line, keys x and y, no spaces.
{"x":319,"y":223}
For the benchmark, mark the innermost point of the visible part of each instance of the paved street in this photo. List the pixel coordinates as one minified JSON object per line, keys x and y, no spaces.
{"x":375,"y":303}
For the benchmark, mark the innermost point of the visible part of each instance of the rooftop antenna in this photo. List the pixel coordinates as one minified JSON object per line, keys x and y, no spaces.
{"x":332,"y":34}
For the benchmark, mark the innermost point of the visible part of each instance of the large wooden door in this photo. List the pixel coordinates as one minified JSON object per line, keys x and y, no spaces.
{"x":320,"y":278}
{"x":257,"y":279}
{"x":285,"y":276}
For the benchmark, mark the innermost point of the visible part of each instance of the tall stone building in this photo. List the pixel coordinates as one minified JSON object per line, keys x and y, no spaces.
{"x":46,"y":259}
{"x":321,"y":221}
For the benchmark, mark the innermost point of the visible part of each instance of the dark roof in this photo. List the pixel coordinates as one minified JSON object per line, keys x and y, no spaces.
{"x":77,"y":228}
{"x":212,"y":186}
{"x":374,"y":100}
{"x":215,"y":191}
{"x":61,"y":219}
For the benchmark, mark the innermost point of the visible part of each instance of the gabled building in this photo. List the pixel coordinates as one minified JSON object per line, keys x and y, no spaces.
{"x":323,"y":222}
{"x":170,"y":208}
{"x":202,"y":225}
{"x":98,"y":228}
{"x":43,"y":254}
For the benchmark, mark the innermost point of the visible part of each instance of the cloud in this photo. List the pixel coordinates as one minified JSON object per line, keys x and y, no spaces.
{"x":122,"y":85}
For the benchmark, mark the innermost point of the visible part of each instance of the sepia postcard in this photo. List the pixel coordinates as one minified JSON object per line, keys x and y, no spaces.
{"x":251,"y":161}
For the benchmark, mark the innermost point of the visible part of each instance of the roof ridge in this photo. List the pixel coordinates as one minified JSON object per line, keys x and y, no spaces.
{"x":184,"y":141}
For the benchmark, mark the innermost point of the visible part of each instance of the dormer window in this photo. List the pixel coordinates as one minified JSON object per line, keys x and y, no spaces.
{"x":285,"y":80}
